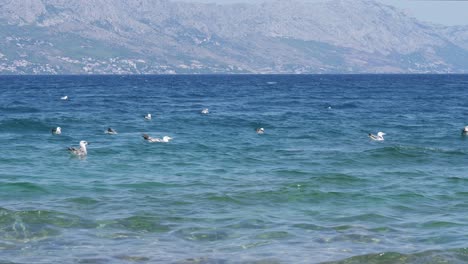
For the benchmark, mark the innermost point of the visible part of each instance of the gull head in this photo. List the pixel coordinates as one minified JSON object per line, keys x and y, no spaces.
{"x":57,"y":130}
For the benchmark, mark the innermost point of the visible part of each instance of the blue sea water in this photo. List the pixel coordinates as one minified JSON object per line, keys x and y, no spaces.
{"x":314,"y":188}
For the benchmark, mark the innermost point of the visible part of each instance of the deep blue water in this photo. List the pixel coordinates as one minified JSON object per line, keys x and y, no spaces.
{"x":313,"y":188}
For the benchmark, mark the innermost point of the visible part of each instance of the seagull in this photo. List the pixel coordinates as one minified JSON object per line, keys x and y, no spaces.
{"x":205,"y":111}
{"x":165,"y":139}
{"x":64,"y":98}
{"x":148,"y":116}
{"x":260,"y":130}
{"x":110,"y":131}
{"x":81,"y":151}
{"x":465,"y":131}
{"x":379,"y":136}
{"x":57,"y":131}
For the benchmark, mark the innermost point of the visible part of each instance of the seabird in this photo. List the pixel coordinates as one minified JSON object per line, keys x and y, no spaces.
{"x":465,"y":131}
{"x":64,"y":97}
{"x":260,"y":130}
{"x":148,"y":116}
{"x":165,"y":139}
{"x":379,"y":136}
{"x":81,"y":151}
{"x":205,"y":111}
{"x":57,"y":131}
{"x":111,"y":131}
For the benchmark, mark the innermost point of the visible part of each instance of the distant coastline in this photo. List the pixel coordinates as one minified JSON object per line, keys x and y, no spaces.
{"x":281,"y":37}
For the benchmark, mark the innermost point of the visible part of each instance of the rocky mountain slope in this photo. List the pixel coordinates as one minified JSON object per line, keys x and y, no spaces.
{"x":161,"y":36}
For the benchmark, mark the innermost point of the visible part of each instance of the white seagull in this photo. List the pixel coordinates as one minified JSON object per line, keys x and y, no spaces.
{"x":57,"y":131}
{"x":165,"y":139}
{"x":379,"y":136}
{"x":465,"y":131}
{"x":110,"y":131}
{"x":64,"y":98}
{"x":148,"y":116}
{"x":205,"y":111}
{"x":260,"y":130}
{"x":81,"y":151}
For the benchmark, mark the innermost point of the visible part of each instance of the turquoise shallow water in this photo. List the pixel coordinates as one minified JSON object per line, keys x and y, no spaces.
{"x":312,"y":189}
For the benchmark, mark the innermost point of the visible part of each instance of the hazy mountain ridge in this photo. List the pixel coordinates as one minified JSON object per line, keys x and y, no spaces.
{"x":146,"y":36}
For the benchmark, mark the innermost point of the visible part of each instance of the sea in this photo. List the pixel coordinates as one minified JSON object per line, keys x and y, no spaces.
{"x":314,"y":188}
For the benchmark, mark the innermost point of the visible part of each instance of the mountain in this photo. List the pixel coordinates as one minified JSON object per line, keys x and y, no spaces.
{"x":161,"y":36}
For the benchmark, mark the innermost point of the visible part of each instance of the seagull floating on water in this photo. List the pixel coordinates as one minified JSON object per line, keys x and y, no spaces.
{"x":148,"y":116}
{"x":57,"y":131}
{"x":379,"y":136}
{"x":465,"y":131}
{"x":81,"y":151}
{"x":165,"y":139}
{"x":205,"y":111}
{"x":64,"y":97}
{"x":260,"y":130}
{"x":111,"y":131}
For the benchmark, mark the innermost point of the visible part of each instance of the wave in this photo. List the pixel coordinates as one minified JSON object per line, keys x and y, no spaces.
{"x":411,"y":151}
{"x":146,"y":224}
{"x":202,"y":234}
{"x":223,"y":199}
{"x":290,"y":172}
{"x":338,"y":178}
{"x":430,"y":256}
{"x":289,"y":152}
{"x":300,"y":193}
{"x":22,"y":187}
{"x":147,"y":185}
{"x":18,"y":108}
{"x":33,"y":225}
{"x":128,"y":258}
{"x":22,"y":126}
{"x":83,"y":200}
{"x":248,"y":224}
{"x":367,"y":217}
